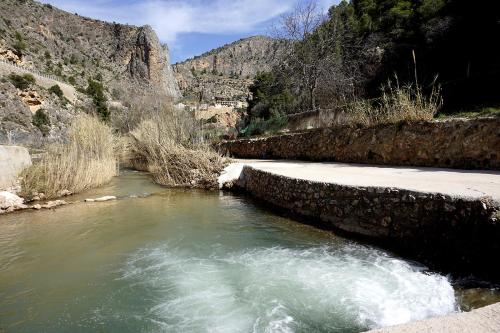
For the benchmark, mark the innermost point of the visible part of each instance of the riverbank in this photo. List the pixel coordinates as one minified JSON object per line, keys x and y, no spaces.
{"x":442,"y":217}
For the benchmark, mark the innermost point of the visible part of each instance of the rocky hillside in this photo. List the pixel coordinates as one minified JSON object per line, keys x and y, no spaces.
{"x":226,"y":72}
{"x":126,"y":60}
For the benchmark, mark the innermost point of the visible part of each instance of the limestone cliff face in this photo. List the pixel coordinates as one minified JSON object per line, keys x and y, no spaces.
{"x":150,"y":61}
{"x":228,"y":71}
{"x":76,"y":48}
{"x":129,"y":61}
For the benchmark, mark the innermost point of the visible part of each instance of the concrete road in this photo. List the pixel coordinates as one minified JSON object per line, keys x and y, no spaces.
{"x":453,"y":182}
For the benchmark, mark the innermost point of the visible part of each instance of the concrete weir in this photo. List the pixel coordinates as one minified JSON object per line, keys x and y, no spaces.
{"x":447,"y":219}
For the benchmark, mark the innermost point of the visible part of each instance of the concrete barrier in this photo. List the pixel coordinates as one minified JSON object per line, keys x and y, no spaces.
{"x":13,"y":159}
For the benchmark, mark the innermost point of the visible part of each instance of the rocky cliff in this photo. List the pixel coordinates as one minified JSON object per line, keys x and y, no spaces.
{"x":129,"y":61}
{"x":76,"y":48}
{"x":227,"y":72}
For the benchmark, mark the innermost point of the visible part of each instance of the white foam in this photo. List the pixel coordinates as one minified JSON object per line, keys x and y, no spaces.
{"x":285,"y":290}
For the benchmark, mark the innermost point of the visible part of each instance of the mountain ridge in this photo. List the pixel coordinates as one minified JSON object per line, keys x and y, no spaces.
{"x":128,"y":61}
{"x":226,"y":72}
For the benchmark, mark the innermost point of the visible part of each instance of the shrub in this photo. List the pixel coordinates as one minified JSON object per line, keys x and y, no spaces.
{"x":96,"y":91}
{"x":85,"y":161}
{"x":42,"y":121}
{"x":258,"y":126}
{"x":72,"y":80}
{"x":407,"y":103}
{"x":168,"y":145}
{"x":19,"y":44}
{"x":56,"y":90}
{"x":22,"y":81}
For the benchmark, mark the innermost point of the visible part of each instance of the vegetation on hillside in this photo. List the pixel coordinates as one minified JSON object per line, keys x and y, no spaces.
{"x":56,"y":90}
{"x":42,"y":121}
{"x":95,"y":89}
{"x":342,"y":62}
{"x":22,"y":81}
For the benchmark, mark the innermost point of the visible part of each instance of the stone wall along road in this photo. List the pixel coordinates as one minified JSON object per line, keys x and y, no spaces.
{"x":457,"y":143}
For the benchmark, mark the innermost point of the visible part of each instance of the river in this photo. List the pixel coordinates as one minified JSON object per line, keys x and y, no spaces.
{"x":173,"y":260}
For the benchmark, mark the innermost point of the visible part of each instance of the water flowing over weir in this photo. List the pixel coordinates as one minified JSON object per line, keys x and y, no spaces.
{"x":194,"y":261}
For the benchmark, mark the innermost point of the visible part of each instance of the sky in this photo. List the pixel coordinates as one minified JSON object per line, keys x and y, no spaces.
{"x":190,"y":27}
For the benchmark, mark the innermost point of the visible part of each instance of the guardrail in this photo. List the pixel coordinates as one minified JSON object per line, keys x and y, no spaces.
{"x":33,"y":71}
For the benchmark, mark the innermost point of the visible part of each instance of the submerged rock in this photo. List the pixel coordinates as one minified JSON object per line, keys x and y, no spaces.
{"x":102,"y":199}
{"x":53,"y":204}
{"x":64,"y":193}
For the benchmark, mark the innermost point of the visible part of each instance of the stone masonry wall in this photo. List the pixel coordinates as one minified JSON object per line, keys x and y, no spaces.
{"x":458,"y":143}
{"x":447,"y":233}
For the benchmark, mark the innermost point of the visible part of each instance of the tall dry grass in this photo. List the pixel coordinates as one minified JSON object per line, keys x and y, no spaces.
{"x":169,"y":145}
{"x":407,"y":103}
{"x":397,"y":103}
{"x":85,"y":161}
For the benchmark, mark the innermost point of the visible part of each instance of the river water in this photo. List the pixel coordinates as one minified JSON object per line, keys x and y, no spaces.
{"x":163,"y":260}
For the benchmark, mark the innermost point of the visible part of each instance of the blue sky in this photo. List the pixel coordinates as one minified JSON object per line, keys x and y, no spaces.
{"x":189,"y":27}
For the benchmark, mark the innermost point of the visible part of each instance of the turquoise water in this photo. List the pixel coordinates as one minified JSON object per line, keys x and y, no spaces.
{"x":162,"y":260}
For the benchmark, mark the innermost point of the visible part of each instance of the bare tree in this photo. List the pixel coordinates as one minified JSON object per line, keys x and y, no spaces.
{"x":317,"y":54}
{"x":307,"y":50}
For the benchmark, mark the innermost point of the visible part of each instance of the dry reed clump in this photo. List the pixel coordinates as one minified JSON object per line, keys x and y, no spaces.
{"x":407,"y":103}
{"x":85,"y":161}
{"x":168,"y":145}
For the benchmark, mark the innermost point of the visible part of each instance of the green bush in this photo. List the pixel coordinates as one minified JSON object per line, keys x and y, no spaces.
{"x":96,"y":91}
{"x":42,"y":121}
{"x":56,"y":90}
{"x":22,"y":81}
{"x":72,"y":80}
{"x":19,"y":45}
{"x":258,"y":126}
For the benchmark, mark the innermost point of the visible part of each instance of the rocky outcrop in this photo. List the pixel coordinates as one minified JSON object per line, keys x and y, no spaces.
{"x":68,"y":45}
{"x":227,"y":72}
{"x":458,"y":143}
{"x":130,"y":62}
{"x":150,"y":61}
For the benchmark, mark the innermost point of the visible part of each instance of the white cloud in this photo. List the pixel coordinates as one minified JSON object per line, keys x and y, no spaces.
{"x":170,"y":18}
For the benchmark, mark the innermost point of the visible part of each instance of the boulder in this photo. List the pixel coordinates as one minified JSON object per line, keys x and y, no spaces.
{"x":64,"y":193}
{"x":53,"y":204}
{"x":13,"y":160}
{"x":102,"y":199}
{"x":8,"y":200}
